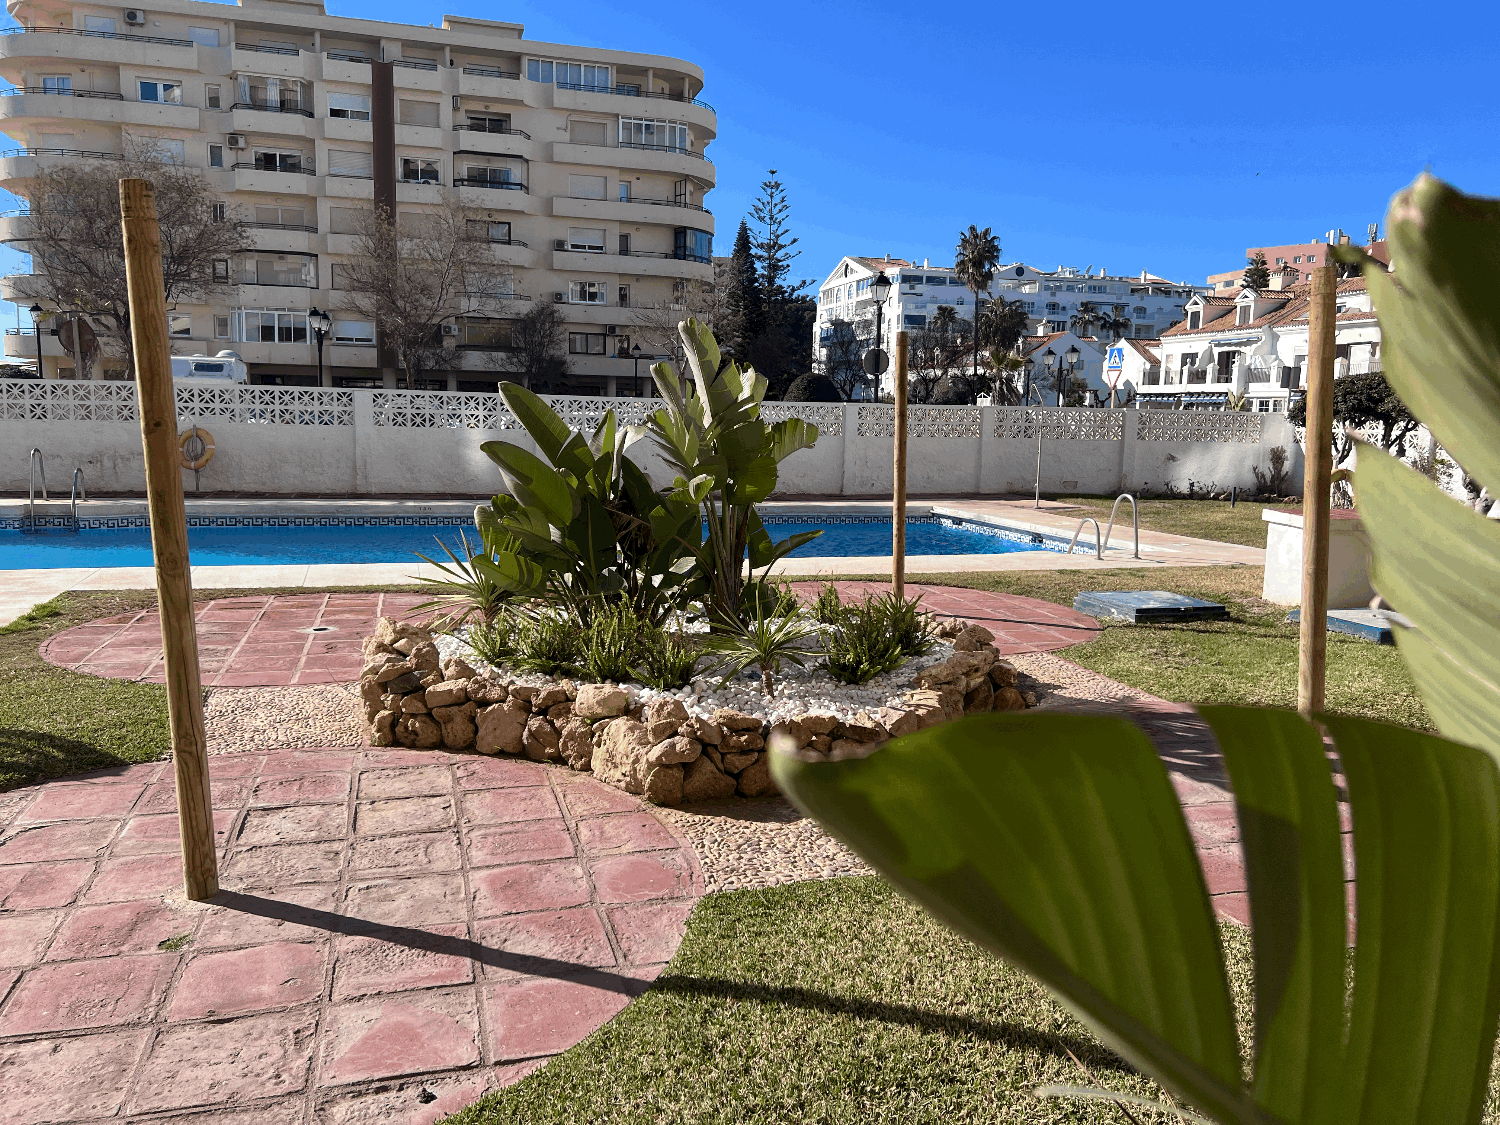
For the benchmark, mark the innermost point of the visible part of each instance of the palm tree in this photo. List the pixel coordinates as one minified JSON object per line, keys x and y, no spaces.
{"x":978,"y":255}
{"x":1084,"y":317}
{"x":1115,"y":322}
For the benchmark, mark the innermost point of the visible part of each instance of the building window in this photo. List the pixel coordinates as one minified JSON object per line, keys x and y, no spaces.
{"x":489,"y":231}
{"x":418,"y":170}
{"x":1281,"y":261}
{"x":586,"y":292}
{"x":351,"y":164}
{"x":353,"y":332}
{"x":589,"y":240}
{"x":279,"y":269}
{"x":221,"y":269}
{"x":487,"y":123}
{"x":216,"y":156}
{"x":261,"y":92}
{"x":1053,"y":306}
{"x":587,"y":133}
{"x":624,"y":244}
{"x":221,"y":326}
{"x":624,"y":296}
{"x":1297,"y":259}
{"x":169,"y":93}
{"x":281,"y":218}
{"x":99,"y":25}
{"x":419,"y":113}
{"x":218,"y":211}
{"x":271,"y":326}
{"x":691,"y":245}
{"x":180,"y":325}
{"x":1139,"y":310}
{"x":204,"y":36}
{"x":271,"y":160}
{"x":586,"y":343}
{"x":489,"y":175}
{"x":640,"y":133}
{"x":914,"y":320}
{"x":350,"y":107}
{"x":586,"y":187}
{"x":1311,"y":258}
{"x":624,"y":191}
{"x":1242,"y":315}
{"x":1195,"y":319}
{"x":587,"y":76}
{"x":57,"y":84}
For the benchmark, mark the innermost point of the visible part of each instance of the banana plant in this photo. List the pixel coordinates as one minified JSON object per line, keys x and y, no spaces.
{"x":725,"y":459}
{"x":581,"y":523}
{"x":1058,"y":842}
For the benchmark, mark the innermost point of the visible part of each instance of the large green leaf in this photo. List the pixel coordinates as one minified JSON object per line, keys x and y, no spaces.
{"x":1438,"y":563}
{"x":790,"y":435}
{"x":551,"y":434}
{"x":533,"y":482}
{"x":1440,"y":319}
{"x":1056,"y":841}
{"x":514,"y":572}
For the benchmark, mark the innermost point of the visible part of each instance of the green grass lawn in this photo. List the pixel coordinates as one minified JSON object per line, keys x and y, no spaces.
{"x":1202,"y":519}
{"x":830,"y":1002}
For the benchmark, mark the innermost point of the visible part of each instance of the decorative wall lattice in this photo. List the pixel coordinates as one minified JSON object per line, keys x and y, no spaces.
{"x":585,"y":414}
{"x":441,"y":410}
{"x":828,"y":417}
{"x":52,"y":400}
{"x":1199,"y":425}
{"x":273,"y":406}
{"x":942,"y":421}
{"x":1060,"y":423}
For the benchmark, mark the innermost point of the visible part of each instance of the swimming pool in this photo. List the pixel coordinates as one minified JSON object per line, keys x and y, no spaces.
{"x":240,"y":541}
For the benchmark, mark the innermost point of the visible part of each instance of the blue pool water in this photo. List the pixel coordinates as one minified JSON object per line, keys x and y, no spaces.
{"x":395,"y":543}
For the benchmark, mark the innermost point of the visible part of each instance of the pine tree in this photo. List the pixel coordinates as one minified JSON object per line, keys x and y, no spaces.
{"x":742,"y":298}
{"x":1257,"y":272}
{"x":773,"y":249}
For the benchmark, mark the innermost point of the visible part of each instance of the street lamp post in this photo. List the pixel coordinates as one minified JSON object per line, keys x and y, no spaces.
{"x":880,"y":289}
{"x":320,"y":322}
{"x":637,"y":355}
{"x":1070,"y":357}
{"x":36,"y":311}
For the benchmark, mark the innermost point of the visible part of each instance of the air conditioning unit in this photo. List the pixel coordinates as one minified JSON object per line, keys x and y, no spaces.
{"x":235,"y":140}
{"x":450,"y":330}
{"x":455,"y":101}
{"x":611,"y":329}
{"x":559,"y":298}
{"x":559,"y":244}
{"x":135,"y":16}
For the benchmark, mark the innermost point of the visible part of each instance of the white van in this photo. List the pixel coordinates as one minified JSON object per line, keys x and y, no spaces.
{"x":226,"y":367}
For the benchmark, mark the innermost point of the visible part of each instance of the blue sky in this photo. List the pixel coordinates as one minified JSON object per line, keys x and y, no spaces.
{"x":1158,"y":136}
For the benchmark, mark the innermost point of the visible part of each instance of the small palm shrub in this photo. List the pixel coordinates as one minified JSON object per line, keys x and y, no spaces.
{"x":667,"y":660}
{"x":468,"y":592}
{"x":860,"y":647}
{"x":493,"y":641}
{"x":765,"y":641}
{"x":828,"y":609}
{"x":909,"y":626}
{"x":548,"y":642}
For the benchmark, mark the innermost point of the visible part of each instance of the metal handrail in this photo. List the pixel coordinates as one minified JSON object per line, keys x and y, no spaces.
{"x":414,"y":64}
{"x":483,"y":129}
{"x":1098,"y":538}
{"x":490,"y":72}
{"x":348,"y":56}
{"x":280,"y":226}
{"x":678,"y":150}
{"x":78,"y":492}
{"x":1135,"y":518}
{"x":61,"y":152}
{"x":656,"y":203}
{"x":62,"y":93}
{"x":267,"y":107}
{"x":632,"y":91}
{"x":503,"y":185}
{"x":267,"y":50}
{"x":37,"y":467}
{"x":303,"y":169}
{"x":95,"y":35}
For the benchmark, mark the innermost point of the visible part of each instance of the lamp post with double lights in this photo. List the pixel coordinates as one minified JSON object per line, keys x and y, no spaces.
{"x":320,"y":322}
{"x":638,"y":355}
{"x":1070,"y":357}
{"x":875,"y":360}
{"x":36,"y":328}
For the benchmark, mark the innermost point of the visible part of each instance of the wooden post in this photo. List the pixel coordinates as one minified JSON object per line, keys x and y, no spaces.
{"x":174,"y":590}
{"x":1312,"y":653}
{"x":898,"y":504}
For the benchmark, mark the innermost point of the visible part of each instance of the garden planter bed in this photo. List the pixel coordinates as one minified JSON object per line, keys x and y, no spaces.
{"x":668,"y":748}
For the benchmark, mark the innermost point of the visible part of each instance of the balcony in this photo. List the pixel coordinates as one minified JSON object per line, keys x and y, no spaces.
{"x":267,"y":107}
{"x":634,"y":91}
{"x":491,"y":72}
{"x":26,"y":163}
{"x":86,"y":106}
{"x":645,"y":158}
{"x":632,"y":101}
{"x":50,"y":92}
{"x":281,"y":226}
{"x":302,"y":168}
{"x":488,"y":129}
{"x":54,"y":44}
{"x":641,"y":263}
{"x":497,"y":185}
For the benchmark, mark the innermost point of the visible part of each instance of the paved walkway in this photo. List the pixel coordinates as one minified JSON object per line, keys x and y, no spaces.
{"x":269,"y":641}
{"x":400,"y":932}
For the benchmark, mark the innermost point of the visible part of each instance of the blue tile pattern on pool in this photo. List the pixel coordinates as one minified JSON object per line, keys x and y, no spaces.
{"x":252,"y":540}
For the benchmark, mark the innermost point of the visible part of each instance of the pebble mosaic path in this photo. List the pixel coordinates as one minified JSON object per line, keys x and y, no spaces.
{"x":400,"y":931}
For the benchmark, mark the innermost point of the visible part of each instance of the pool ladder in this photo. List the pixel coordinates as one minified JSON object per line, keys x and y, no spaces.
{"x":1102,"y":541}
{"x":38,"y":474}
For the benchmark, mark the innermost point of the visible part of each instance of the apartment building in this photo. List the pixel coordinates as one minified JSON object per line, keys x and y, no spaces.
{"x":1051,"y":298}
{"x":1299,"y":257}
{"x":586,"y":168}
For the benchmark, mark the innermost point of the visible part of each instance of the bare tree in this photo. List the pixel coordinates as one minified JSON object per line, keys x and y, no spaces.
{"x":935,"y":355}
{"x":537,"y":349}
{"x":412,"y":273}
{"x":78,"y":254}
{"x":656,"y":322}
{"x":841,"y":360}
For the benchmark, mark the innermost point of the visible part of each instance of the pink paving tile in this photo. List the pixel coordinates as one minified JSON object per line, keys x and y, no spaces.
{"x":499,"y":773}
{"x":502,"y":806}
{"x":531,"y":886}
{"x":643,"y":875}
{"x":369,"y":965}
{"x":417,"y":854}
{"x":225,"y":792}
{"x":1223,"y":868}
{"x":1192,"y":791}
{"x":159,"y":833}
{"x":291,"y":789}
{"x":246,"y":980}
{"x":256,"y":1057}
{"x":302,"y":913}
{"x":378,"y":759}
{"x":403,"y":815}
{"x":120,"y":880}
{"x":119,"y":927}
{"x":1234,"y":906}
{"x":34,"y":886}
{"x":327,"y":675}
{"x":305,"y":761}
{"x":512,"y":945}
{"x":293,"y":824}
{"x":396,"y":1035}
{"x":495,"y":845}
{"x":543,"y":1017}
{"x":417,"y":901}
{"x":408,"y":781}
{"x":1212,"y":824}
{"x":23,"y":937}
{"x":423,"y":1101}
{"x":259,"y":651}
{"x":30,"y":1085}
{"x":240,"y":764}
{"x":114,"y":669}
{"x":74,"y":995}
{"x":624,"y":832}
{"x":586,"y":797}
{"x":650,"y":932}
{"x":79,"y":839}
{"x":283,"y":864}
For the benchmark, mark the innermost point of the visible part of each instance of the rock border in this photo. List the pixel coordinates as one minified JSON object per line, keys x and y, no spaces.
{"x":413,"y":698}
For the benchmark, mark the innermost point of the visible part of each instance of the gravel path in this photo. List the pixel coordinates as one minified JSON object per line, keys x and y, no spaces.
{"x":281,"y":718}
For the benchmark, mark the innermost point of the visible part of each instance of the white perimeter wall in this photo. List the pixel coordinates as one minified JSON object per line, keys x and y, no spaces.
{"x":286,"y":440}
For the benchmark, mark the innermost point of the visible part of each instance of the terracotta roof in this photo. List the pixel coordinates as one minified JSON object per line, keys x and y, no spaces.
{"x":1042,"y":341}
{"x":880,"y":263}
{"x":1146,"y":353}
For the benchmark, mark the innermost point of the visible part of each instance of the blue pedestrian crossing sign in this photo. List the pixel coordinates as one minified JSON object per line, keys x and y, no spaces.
{"x":1116,"y":359}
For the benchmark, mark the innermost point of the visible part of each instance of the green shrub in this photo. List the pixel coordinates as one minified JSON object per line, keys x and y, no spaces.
{"x":828,"y":609}
{"x":548,"y":642}
{"x":493,"y":641}
{"x":859,"y":647}
{"x":903,"y":619}
{"x":613,"y":643}
{"x":667,"y":660}
{"x":765,"y":642}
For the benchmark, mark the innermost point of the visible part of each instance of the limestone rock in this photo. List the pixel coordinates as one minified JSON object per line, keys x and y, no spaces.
{"x":755,"y":780}
{"x":560,"y":711}
{"x":972,"y":637}
{"x":430,"y":679}
{"x":870,"y":731}
{"x":710,"y":734}
{"x":540,"y":740}
{"x":1029,"y":697}
{"x":620,"y":753}
{"x":575,"y":743}
{"x":457,"y":668}
{"x":528,"y":692}
{"x":390,"y":670}
{"x":673,"y":751}
{"x":1009,"y":699}
{"x":448,"y":714}
{"x":600,"y":701}
{"x":370,"y":648}
{"x":713,"y":755}
{"x":383,"y":729}
{"x":848,"y":748}
{"x":500,"y":729}
{"x":571,"y":688}
{"x":821,"y":743}
{"x":425,"y":658}
{"x":388,"y":631}
{"x":548,"y":697}
{"x":787,"y":738}
{"x":1003,"y":673}
{"x":403,"y":685}
{"x":404,"y":645}
{"x":419,"y":731}
{"x":742,"y":741}
{"x":414,"y":704}
{"x":736,"y":720}
{"x":662,"y":785}
{"x":818,"y":722}
{"x":702,"y":781}
{"x":733,"y":763}
{"x":485,"y":691}
{"x":390,"y":701}
{"x":371,"y":694}
{"x":458,"y":728}
{"x":979,"y":700}
{"x":446,"y":693}
{"x":375,"y":663}
{"x":664,"y":710}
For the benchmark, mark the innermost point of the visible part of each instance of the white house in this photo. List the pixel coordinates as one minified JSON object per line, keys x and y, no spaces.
{"x":1255,"y":343}
{"x":1088,"y":372}
{"x":1128,"y":364}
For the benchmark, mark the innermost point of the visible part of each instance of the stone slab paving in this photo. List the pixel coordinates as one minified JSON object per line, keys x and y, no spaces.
{"x":267,"y":641}
{"x":400,"y":931}
{"x":1019,"y":624}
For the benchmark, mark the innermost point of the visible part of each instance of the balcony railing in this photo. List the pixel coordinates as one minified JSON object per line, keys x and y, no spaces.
{"x":61,"y":152}
{"x":268,"y":108}
{"x":660,"y":203}
{"x":354,"y":176}
{"x":304,"y":169}
{"x":62,"y":93}
{"x":506,"y":242}
{"x":430,"y":181}
{"x":673,"y":256}
{"x":675,"y":149}
{"x":630,"y":91}
{"x":415,"y":64}
{"x":349,"y":56}
{"x":96,"y":35}
{"x":281,"y":226}
{"x":490,"y":72}
{"x":266,"y":50}
{"x":503,"y":185}
{"x":486,"y":129}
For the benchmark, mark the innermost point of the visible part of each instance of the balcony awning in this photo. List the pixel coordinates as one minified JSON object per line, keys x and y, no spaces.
{"x":1211,"y":397}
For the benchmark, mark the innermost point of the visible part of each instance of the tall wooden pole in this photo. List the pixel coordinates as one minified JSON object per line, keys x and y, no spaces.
{"x":898,"y":505}
{"x":174,"y":590}
{"x":1312,"y":656}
